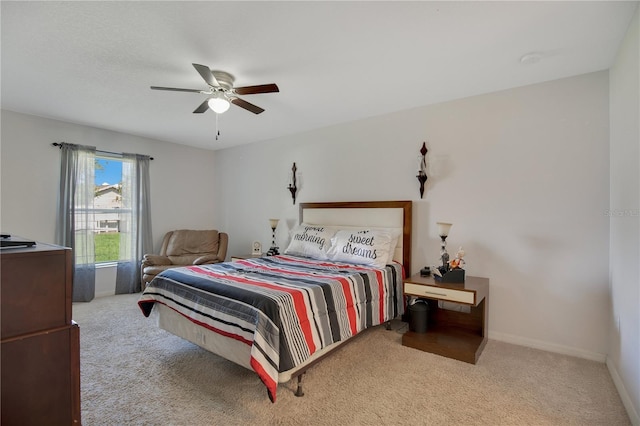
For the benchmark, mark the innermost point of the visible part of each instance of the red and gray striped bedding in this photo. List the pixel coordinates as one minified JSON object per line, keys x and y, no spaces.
{"x":284,"y":307}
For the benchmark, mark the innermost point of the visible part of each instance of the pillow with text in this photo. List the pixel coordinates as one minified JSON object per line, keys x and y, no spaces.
{"x":364,"y":246}
{"x":311,"y":241}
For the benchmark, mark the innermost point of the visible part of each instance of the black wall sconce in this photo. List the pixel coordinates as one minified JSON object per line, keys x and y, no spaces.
{"x":292,"y":185}
{"x":422,"y":170}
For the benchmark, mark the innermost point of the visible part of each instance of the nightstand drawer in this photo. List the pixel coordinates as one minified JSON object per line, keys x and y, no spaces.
{"x":440,"y":293}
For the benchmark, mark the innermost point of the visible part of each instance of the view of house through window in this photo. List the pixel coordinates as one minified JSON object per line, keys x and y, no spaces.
{"x":107,"y":204}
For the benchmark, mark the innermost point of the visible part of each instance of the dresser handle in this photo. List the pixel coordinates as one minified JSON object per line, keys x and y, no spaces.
{"x":437,"y":294}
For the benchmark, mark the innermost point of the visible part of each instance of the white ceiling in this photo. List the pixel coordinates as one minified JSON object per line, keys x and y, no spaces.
{"x":92,"y":62}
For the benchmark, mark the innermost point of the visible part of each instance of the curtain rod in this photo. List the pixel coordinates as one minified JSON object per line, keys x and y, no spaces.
{"x":97,"y":150}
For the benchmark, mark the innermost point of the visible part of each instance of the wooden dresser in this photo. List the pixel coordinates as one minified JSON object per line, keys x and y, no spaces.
{"x":40,"y":352}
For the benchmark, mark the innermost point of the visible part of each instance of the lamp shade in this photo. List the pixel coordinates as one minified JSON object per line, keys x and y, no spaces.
{"x":274,"y":223}
{"x":443,"y":228}
{"x":219,"y":103}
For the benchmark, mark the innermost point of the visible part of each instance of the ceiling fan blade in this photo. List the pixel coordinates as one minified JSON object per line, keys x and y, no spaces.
{"x":206,"y":73}
{"x":202,"y":108}
{"x":261,"y":88}
{"x":246,"y":105}
{"x":175,"y":89}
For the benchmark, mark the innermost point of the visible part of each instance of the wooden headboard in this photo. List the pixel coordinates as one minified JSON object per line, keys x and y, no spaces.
{"x":392,"y":214}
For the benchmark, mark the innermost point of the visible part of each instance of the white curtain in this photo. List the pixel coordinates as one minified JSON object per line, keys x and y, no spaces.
{"x":75,"y":216}
{"x":135,"y":222}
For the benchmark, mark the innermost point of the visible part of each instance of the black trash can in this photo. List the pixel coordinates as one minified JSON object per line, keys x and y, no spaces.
{"x":418,"y":316}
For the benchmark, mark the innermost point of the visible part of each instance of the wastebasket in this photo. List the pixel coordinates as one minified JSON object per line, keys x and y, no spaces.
{"x":418,"y":313}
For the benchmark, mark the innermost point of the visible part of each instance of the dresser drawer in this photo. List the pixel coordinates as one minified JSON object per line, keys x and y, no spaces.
{"x":440,"y":293}
{"x":36,"y":290}
{"x":41,"y":378}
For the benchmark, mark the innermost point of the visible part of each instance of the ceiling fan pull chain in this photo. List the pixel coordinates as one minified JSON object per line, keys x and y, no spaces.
{"x":217,"y":131}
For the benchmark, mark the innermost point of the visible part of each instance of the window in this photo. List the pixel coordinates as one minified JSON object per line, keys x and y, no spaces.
{"x":123,"y":232}
{"x":108,"y":210}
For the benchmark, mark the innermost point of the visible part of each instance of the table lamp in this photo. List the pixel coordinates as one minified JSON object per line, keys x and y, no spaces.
{"x":273,"y":250}
{"x":443,"y":231}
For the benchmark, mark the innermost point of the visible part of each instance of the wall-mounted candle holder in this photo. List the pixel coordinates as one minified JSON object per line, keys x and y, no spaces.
{"x":422,"y":168}
{"x":292,"y":185}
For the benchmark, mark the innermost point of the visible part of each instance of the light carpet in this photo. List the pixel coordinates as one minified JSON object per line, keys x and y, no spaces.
{"x":133,"y":373}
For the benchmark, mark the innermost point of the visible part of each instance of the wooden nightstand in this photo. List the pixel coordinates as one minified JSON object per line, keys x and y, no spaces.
{"x":451,"y":333}
{"x":245,"y":256}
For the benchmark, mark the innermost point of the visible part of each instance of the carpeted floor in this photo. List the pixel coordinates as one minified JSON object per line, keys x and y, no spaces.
{"x":133,"y":373}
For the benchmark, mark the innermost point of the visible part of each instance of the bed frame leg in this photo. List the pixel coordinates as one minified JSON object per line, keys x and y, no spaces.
{"x":299,"y":390}
{"x":388,"y":325}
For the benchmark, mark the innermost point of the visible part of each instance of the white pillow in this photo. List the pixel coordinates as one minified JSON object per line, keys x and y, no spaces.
{"x":392,"y":246}
{"x":311,"y":241}
{"x":364,"y":246}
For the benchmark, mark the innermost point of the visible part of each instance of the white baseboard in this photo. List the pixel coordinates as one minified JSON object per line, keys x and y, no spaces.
{"x":99,"y":293}
{"x":546,"y":346}
{"x":624,"y":395}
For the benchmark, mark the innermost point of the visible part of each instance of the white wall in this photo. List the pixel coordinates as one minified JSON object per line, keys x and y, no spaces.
{"x":181,"y":179}
{"x":522,"y":174}
{"x":624,"y":346}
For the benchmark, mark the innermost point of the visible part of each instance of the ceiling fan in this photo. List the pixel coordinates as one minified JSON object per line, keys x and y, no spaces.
{"x":222,"y":91}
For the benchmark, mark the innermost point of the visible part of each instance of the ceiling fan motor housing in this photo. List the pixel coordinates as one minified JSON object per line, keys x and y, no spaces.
{"x":225,"y":80}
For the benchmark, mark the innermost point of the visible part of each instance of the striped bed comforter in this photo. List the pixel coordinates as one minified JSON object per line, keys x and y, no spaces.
{"x":284,"y":307}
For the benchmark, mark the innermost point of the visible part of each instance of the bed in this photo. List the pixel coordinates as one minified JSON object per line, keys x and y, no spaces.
{"x":279,"y":315}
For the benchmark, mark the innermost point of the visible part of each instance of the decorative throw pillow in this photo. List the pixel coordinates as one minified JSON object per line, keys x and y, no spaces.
{"x":363,"y":246}
{"x":311,"y":241}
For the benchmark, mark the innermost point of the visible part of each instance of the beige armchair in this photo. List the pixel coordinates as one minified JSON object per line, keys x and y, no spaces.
{"x":185,"y":247}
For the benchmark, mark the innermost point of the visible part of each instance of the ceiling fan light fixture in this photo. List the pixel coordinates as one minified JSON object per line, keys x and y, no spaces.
{"x":219,"y":103}
{"x":223,"y":94}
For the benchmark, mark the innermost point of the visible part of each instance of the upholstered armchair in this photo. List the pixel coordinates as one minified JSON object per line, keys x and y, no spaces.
{"x":185,"y":247}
